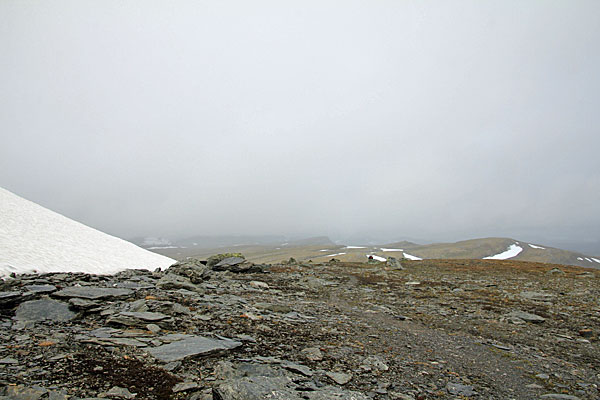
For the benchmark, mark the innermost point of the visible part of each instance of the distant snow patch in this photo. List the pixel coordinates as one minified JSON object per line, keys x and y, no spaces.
{"x":588,"y":259}
{"x":324,"y":250}
{"x":355,"y":247}
{"x":384,"y":249}
{"x":378,"y":258}
{"x":333,"y":255}
{"x":511,"y":252}
{"x":595,"y":259}
{"x":580,"y":259}
{"x":533,"y":246}
{"x":410,"y":257}
{"x":161,"y":247}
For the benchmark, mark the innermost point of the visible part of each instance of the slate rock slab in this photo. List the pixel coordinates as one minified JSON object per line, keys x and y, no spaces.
{"x":41,"y":288}
{"x":92,"y":293}
{"x":44,"y":309}
{"x":525,"y":316}
{"x":195,"y":345}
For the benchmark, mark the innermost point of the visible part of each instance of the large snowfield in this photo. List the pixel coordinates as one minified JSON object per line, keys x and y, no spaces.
{"x":35,"y":239}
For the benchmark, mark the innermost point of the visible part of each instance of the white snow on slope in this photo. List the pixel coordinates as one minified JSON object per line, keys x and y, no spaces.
{"x":333,"y":255}
{"x":511,"y":252}
{"x":384,"y":249}
{"x":580,"y":259}
{"x":355,"y":247}
{"x":533,"y":246}
{"x":33,"y":238}
{"x":406,"y":255}
{"x":595,"y":259}
{"x":588,"y":259}
{"x":378,"y":258}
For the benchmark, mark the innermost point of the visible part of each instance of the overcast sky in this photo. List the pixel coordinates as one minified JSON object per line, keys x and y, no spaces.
{"x":432,"y":119}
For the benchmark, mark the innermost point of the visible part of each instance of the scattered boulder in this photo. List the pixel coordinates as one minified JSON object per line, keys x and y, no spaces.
{"x":394,"y":263}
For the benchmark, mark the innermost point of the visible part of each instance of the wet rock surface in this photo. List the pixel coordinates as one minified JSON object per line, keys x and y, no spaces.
{"x":433,"y":329}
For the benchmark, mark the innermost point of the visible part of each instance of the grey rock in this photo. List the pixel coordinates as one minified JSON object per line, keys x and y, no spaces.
{"x":20,"y":392}
{"x":83,"y":304}
{"x":458,"y":389}
{"x":297,"y":368}
{"x":394,"y":264}
{"x":559,"y":396}
{"x":185,"y":386}
{"x":44,"y":309}
{"x":525,"y":316}
{"x":173,"y":281}
{"x":192,"y":346}
{"x":229,"y":262}
{"x":8,"y":360}
{"x":373,"y":363}
{"x":145,"y":316}
{"x":537,"y":296}
{"x":556,"y":271}
{"x":41,"y":288}
{"x":120,"y":393}
{"x":256,"y":388}
{"x":153,"y":328}
{"x":92,"y":293}
{"x":339,"y":377}
{"x":312,"y":354}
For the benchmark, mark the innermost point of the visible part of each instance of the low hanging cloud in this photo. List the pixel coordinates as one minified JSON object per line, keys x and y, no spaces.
{"x":398,"y":119}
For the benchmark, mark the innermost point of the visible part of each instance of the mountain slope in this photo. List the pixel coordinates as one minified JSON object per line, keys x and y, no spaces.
{"x":33,"y":238}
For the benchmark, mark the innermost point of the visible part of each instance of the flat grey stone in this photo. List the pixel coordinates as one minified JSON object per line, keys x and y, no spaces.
{"x":120,"y":393}
{"x":8,"y":360}
{"x":195,"y":345}
{"x":458,"y":389}
{"x":145,"y":316}
{"x":256,"y":388}
{"x":184,"y":386}
{"x":41,"y":288}
{"x":297,"y":368}
{"x":559,"y":396}
{"x":92,"y":293}
{"x":374,"y":362}
{"x":83,"y":303}
{"x":230,"y":261}
{"x":525,"y":316}
{"x":172,"y":281}
{"x":339,"y":377}
{"x":44,"y":309}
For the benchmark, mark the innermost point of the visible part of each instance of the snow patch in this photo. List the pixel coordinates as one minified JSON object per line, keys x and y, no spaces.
{"x":378,"y":258}
{"x":162,"y":247}
{"x":595,"y":259}
{"x":333,"y":255}
{"x":410,"y":257}
{"x":35,"y":239}
{"x":588,"y":259}
{"x":355,"y":247}
{"x":511,"y":252}
{"x":580,"y":259}
{"x":533,"y":246}
{"x":384,"y":249}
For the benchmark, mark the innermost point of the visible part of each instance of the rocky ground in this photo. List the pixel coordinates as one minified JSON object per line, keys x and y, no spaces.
{"x":434,"y":329}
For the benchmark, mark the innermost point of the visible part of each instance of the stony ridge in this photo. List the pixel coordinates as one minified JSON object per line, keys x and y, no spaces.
{"x":235,"y":330}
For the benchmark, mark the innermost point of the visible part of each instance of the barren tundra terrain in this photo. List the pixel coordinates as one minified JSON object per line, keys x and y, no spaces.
{"x":436,"y":329}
